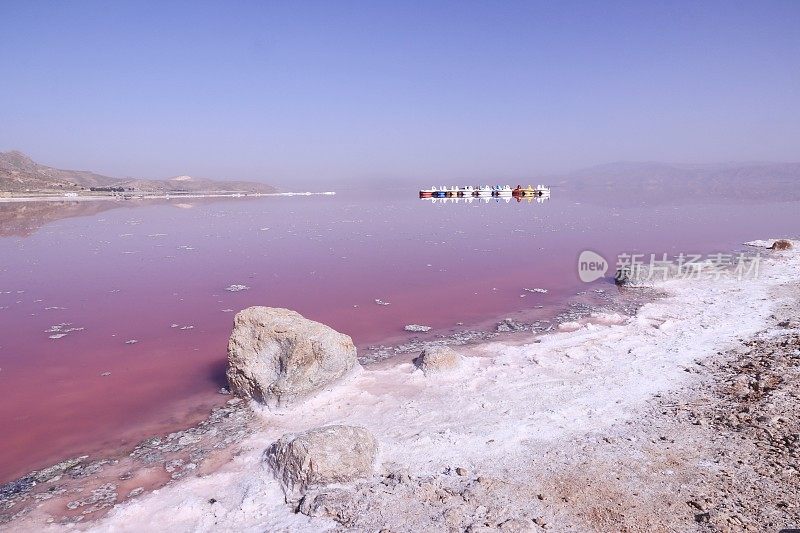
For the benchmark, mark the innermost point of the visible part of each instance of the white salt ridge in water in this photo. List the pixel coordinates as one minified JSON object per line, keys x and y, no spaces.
{"x":237,"y":288}
{"x":59,"y":331}
{"x":568,"y":384}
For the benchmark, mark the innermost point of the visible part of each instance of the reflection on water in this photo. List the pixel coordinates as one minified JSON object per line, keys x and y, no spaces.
{"x":21,"y":219}
{"x":489,"y":200}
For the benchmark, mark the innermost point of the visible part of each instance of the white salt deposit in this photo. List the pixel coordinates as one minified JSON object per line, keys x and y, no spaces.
{"x":237,"y":288}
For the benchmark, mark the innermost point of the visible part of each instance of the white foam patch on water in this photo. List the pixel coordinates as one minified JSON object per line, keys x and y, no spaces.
{"x":489,"y":414}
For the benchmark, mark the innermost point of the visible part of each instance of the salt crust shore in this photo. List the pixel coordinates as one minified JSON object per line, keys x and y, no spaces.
{"x":496,"y":416}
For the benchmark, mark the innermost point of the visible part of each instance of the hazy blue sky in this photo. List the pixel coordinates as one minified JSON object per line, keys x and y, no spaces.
{"x":310,"y":91}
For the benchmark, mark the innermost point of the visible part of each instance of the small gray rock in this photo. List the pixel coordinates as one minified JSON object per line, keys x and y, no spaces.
{"x":436,"y":359}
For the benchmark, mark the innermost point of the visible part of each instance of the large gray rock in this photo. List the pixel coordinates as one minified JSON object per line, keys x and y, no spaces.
{"x":320,"y":457}
{"x":277,"y":357}
{"x":435,"y":359}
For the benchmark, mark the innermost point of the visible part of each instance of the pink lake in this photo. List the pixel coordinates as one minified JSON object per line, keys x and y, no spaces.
{"x":133,"y":273}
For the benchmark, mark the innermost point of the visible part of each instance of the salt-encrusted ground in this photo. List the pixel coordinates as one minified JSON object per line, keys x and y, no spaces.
{"x":577,"y":431}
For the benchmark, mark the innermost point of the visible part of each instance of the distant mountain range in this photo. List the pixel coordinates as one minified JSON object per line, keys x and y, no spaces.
{"x":651,"y":181}
{"x":19,"y":173}
{"x":665,"y":172}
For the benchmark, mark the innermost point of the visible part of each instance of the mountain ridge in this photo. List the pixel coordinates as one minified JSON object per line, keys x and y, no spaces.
{"x":20,"y":173}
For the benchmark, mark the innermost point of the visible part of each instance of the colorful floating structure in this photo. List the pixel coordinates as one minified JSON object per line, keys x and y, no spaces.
{"x":486,"y":191}
{"x":488,"y":199}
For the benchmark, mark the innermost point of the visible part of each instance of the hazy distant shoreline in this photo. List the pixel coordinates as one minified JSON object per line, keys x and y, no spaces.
{"x":42,"y":197}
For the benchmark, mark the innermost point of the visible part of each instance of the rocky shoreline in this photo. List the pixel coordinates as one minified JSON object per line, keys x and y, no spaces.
{"x":85,"y":488}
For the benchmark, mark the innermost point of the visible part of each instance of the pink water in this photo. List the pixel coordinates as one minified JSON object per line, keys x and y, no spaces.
{"x":132,"y":273}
